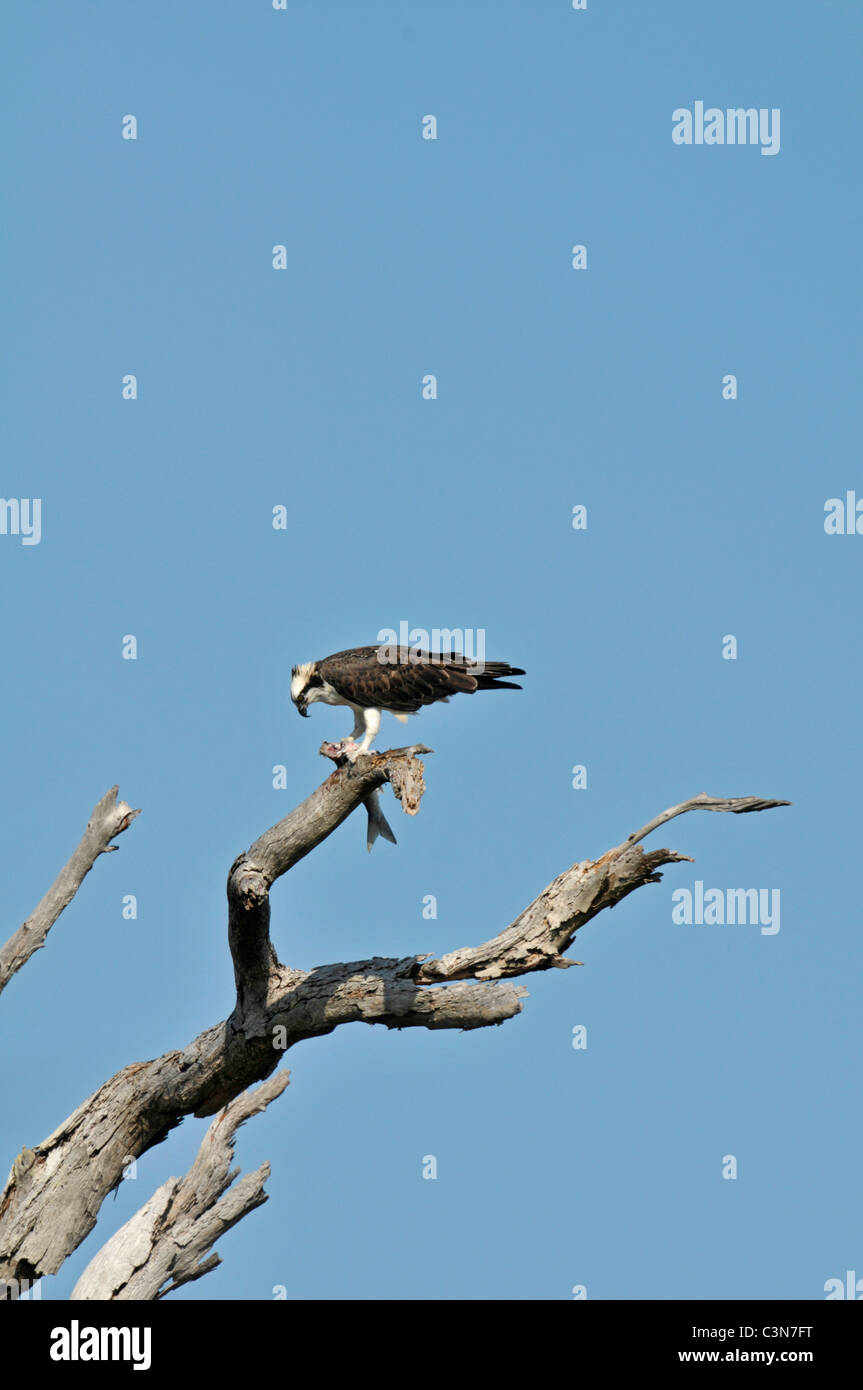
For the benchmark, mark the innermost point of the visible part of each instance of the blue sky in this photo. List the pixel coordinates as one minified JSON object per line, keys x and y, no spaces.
{"x":603,"y":387}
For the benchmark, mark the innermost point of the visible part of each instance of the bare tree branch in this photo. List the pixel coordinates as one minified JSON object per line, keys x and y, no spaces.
{"x":285,"y":844}
{"x":738,"y":805}
{"x":110,"y":818}
{"x":166,"y":1242}
{"x":539,"y":935}
{"x":54,"y":1192}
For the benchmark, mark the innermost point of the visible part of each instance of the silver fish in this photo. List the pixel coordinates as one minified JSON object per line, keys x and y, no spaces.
{"x":378,"y":824}
{"x":341,"y":753}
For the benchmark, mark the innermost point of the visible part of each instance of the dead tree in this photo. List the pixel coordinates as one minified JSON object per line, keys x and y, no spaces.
{"x":55,"y":1190}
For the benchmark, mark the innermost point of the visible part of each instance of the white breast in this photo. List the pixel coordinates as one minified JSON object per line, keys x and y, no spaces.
{"x":328,"y":696}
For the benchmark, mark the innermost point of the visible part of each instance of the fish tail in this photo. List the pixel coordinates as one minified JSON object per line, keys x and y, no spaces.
{"x":378,"y":824}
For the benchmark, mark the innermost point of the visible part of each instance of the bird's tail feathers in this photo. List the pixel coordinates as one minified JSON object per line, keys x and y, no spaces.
{"x":490,"y":676}
{"x":500,"y":668}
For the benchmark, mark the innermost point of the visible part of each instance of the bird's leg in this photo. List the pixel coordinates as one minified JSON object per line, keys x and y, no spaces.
{"x":337,"y":751}
{"x":350,"y":748}
{"x":366,"y":723}
{"x":349,"y":745}
{"x":372,"y":720}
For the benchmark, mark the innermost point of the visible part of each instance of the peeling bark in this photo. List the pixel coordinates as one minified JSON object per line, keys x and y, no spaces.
{"x":110,"y":818}
{"x":165,"y":1244}
{"x":55,"y":1190}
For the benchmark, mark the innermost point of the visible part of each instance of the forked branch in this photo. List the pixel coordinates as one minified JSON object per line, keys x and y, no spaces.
{"x":55,"y":1190}
{"x":165,"y":1244}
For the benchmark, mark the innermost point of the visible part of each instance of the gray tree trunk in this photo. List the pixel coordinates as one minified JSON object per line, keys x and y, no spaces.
{"x":55,"y":1190}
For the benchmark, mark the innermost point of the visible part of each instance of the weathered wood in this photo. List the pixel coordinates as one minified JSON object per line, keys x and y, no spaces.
{"x":284,"y":845}
{"x":54,"y":1192}
{"x":165,"y":1244}
{"x":110,"y":818}
{"x":545,"y":929}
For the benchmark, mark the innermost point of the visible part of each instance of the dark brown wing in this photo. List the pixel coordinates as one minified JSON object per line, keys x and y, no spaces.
{"x":406,"y":679}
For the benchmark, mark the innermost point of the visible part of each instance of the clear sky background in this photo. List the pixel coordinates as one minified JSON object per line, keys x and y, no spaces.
{"x":556,"y":1167}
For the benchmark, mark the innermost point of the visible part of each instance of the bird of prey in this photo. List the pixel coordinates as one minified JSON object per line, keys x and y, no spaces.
{"x":400,"y":680}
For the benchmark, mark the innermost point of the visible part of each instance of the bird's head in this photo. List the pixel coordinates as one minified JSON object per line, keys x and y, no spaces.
{"x":305,"y":684}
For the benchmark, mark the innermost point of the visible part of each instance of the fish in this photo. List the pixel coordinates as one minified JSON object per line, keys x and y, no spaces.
{"x":378,"y":825}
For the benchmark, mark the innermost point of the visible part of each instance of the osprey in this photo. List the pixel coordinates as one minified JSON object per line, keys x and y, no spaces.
{"x":398,"y":679}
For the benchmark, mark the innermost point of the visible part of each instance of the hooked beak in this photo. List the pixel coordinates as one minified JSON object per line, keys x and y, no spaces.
{"x":301,"y":706}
